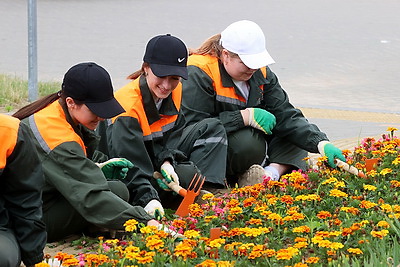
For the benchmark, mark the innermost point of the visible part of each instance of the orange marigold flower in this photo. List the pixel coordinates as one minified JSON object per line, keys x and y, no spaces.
{"x":249,"y":201}
{"x":337,"y":193}
{"x":324,"y":214}
{"x":383,"y":224}
{"x":367,"y":204}
{"x":155,"y":244}
{"x":301,"y":229}
{"x":287,"y":199}
{"x":355,"y":251}
{"x":380,"y":234}
{"x":207,"y":263}
{"x":255,"y":221}
{"x":300,"y":264}
{"x":300,"y":245}
{"x":183,"y":250}
{"x":236,"y":210}
{"x":312,"y":260}
{"x":395,"y":183}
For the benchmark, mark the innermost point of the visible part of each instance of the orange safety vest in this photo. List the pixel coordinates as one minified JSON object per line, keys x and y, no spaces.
{"x":210,"y":65}
{"x":8,"y":136}
{"x":51,"y":128}
{"x":130,"y":98}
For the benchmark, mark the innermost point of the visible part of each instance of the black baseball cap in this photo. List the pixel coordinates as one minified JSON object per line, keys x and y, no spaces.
{"x":91,"y":84}
{"x":167,"y":56}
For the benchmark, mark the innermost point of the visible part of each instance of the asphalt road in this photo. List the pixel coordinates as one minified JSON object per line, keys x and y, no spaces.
{"x":342,"y":54}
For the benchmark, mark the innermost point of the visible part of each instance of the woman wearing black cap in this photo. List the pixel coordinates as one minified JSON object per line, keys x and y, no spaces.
{"x":77,"y":193}
{"x":152,"y":133}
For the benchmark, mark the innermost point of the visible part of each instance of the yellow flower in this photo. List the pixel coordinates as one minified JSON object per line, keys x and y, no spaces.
{"x":255,"y":221}
{"x":312,"y":260}
{"x":208,"y":196}
{"x":369,"y":187}
{"x":380,"y":234}
{"x":155,"y":243}
{"x":367,"y":204}
{"x":236,"y":210}
{"x":391,"y":129}
{"x":183,"y":250}
{"x":355,"y":251}
{"x":301,"y":229}
{"x":385,"y":171}
{"x":148,"y":229}
{"x":395,"y":183}
{"x":191,"y":234}
{"x":383,"y":224}
{"x":336,"y":245}
{"x":286,"y":254}
{"x":337,"y":193}
{"x":131,"y":225}
{"x":217,"y":243}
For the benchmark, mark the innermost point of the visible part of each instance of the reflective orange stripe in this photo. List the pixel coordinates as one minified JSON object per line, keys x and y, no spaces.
{"x":130,"y":99}
{"x":51,"y":129}
{"x":8,"y":136}
{"x":210,"y":66}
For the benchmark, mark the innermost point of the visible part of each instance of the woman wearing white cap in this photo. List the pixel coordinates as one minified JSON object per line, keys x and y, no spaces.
{"x":229,"y":79}
{"x":77,"y":194}
{"x":152,"y":135}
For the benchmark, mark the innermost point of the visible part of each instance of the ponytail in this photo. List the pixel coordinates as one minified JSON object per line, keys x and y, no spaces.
{"x":34,"y":107}
{"x":211,"y":47}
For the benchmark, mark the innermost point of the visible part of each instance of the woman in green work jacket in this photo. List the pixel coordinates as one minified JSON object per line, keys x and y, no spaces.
{"x":152,"y":132}
{"x":79,"y":193}
{"x":229,"y":79}
{"x":22,"y":231}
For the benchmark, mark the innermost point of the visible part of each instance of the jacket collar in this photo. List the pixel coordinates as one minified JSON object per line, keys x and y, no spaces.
{"x":167,"y":107}
{"x":255,"y":82}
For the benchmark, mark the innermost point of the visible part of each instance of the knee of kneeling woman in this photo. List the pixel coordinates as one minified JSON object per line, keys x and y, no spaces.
{"x":248,"y":143}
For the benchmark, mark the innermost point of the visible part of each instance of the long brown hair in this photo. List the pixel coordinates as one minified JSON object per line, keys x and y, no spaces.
{"x":37,"y":105}
{"x":211,"y":47}
{"x":137,"y":73}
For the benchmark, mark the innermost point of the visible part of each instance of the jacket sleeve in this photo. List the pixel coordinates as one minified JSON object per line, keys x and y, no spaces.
{"x":199,"y":101}
{"x":290,"y":121}
{"x":24,"y":178}
{"x":125,"y":139}
{"x":83,"y":184}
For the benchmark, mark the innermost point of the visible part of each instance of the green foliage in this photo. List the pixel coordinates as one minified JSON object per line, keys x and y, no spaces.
{"x":14,"y":91}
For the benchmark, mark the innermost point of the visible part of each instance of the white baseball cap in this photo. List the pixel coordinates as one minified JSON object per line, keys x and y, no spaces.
{"x":246,"y":39}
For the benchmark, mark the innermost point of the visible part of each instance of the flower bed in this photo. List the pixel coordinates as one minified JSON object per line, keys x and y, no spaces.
{"x":320,"y":217}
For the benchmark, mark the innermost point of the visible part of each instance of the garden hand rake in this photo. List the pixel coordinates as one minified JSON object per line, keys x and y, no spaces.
{"x":192,"y":192}
{"x":172,"y":185}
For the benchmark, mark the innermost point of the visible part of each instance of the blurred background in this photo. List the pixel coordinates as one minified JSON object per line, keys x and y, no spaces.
{"x":342,"y":54}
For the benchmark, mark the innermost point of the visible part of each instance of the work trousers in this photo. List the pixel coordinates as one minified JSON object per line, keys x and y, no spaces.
{"x":10,"y":254}
{"x":249,"y":146}
{"x":62,"y":219}
{"x":205,"y":145}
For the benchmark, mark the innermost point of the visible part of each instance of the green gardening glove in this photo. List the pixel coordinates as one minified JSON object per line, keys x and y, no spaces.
{"x":328,"y":150}
{"x":261,"y":119}
{"x":115,"y":168}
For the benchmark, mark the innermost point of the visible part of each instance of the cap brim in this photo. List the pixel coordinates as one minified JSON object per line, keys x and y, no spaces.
{"x":107,"y":109}
{"x":256,"y":61}
{"x":169,"y":70}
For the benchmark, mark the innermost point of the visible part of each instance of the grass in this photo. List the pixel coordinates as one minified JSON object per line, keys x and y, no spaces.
{"x":14,"y":92}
